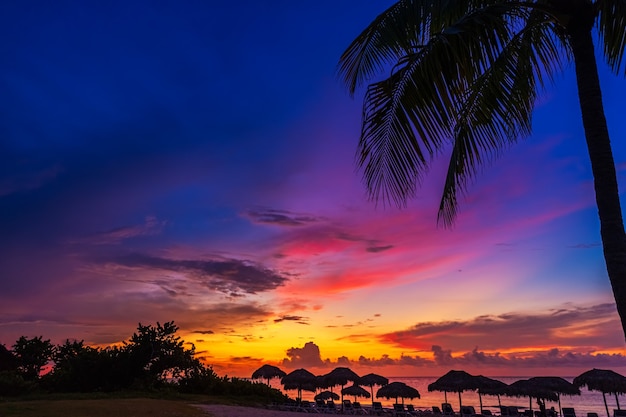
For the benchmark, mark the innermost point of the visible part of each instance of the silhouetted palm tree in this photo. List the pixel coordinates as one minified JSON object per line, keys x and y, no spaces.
{"x":468,"y":72}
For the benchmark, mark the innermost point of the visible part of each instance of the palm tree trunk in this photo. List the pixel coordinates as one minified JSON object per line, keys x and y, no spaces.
{"x":602,"y":163}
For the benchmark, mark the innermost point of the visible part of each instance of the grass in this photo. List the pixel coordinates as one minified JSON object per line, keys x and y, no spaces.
{"x":119,"y":404}
{"x":118,"y":407}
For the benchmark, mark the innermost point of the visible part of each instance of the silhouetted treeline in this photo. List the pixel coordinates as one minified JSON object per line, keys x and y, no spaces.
{"x":153,"y":358}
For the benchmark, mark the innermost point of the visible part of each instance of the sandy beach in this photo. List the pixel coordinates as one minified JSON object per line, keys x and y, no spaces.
{"x":218,"y":410}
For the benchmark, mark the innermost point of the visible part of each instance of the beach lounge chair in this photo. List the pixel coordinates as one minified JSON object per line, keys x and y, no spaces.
{"x":331,"y":407}
{"x":504,"y":410}
{"x":399,"y":411}
{"x":486,"y":413}
{"x":467,"y":411}
{"x":436,"y":410}
{"x":513,"y":411}
{"x":306,"y":407}
{"x":569,"y":412}
{"x":320,"y":405}
{"x":446,"y":409}
{"x":377,"y":408}
{"x":356,"y":406}
{"x":616,"y":413}
{"x":410,"y":409}
{"x":347,"y":407}
{"x":592,"y":414}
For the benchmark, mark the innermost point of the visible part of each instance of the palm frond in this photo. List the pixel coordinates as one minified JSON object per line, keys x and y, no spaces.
{"x":408,"y":116}
{"x":612,"y":28}
{"x":393,"y":156}
{"x":399,"y":31}
{"x":497,"y":110}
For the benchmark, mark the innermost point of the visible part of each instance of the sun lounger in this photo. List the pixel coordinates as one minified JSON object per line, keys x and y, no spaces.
{"x":356,"y":406}
{"x":446,"y":409}
{"x":616,"y":413}
{"x":410,"y":409}
{"x":320,"y":405}
{"x":399,"y":411}
{"x":592,"y":414}
{"x":436,"y":410}
{"x":467,"y":411}
{"x":513,"y":411}
{"x":377,"y":408}
{"x":569,"y":412}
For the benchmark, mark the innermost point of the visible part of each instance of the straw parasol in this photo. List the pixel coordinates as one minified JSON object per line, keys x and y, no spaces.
{"x":356,"y":391}
{"x":603,"y":380}
{"x":372,"y":379}
{"x":326,"y":395}
{"x":557,"y":385}
{"x":524,"y":388}
{"x":397,"y":390}
{"x":490,"y":386}
{"x":268,"y":372}
{"x":300,"y":379}
{"x":454,"y":381}
{"x":340,"y":376}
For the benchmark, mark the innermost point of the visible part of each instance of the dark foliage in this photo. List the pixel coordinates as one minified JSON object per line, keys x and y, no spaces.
{"x":32,"y":355}
{"x":153,"y":359}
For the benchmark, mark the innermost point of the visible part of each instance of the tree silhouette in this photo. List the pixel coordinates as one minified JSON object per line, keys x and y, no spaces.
{"x":32,"y":355}
{"x":468,"y":73}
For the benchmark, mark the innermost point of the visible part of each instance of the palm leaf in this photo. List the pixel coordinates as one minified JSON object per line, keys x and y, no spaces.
{"x":612,"y":27}
{"x":498,"y":108}
{"x":397,"y":32}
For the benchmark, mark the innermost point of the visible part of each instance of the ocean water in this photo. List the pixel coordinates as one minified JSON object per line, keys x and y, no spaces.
{"x":588,"y":401}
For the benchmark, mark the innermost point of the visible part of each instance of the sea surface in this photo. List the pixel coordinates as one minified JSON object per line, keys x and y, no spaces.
{"x":588,"y":401}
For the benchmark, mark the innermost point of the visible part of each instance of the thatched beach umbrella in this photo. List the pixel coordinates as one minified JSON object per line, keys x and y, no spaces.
{"x":326,"y":395}
{"x":370,"y":380}
{"x":340,"y":376}
{"x":454,"y":381}
{"x":524,"y":388}
{"x":268,"y":372}
{"x":605,"y":381}
{"x":300,"y":379}
{"x":356,"y":391}
{"x":490,"y":386}
{"x":557,"y":385}
{"x":397,"y":390}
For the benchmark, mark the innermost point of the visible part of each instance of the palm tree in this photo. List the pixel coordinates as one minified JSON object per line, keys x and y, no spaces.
{"x":466,"y":74}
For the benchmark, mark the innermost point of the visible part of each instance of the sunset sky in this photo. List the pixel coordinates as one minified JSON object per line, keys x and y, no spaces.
{"x":194,"y":161}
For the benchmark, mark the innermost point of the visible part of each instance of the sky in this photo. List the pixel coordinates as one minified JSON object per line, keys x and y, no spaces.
{"x":195,"y":162}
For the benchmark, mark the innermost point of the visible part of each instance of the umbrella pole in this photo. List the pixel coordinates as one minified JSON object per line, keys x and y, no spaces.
{"x":372,"y":392}
{"x":445,"y":396}
{"x":560,"y":409}
{"x":617,"y":401}
{"x":530,"y":403}
{"x":605,"y":405}
{"x":499,"y":403}
{"x":460,"y":405}
{"x":480,"y":398}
